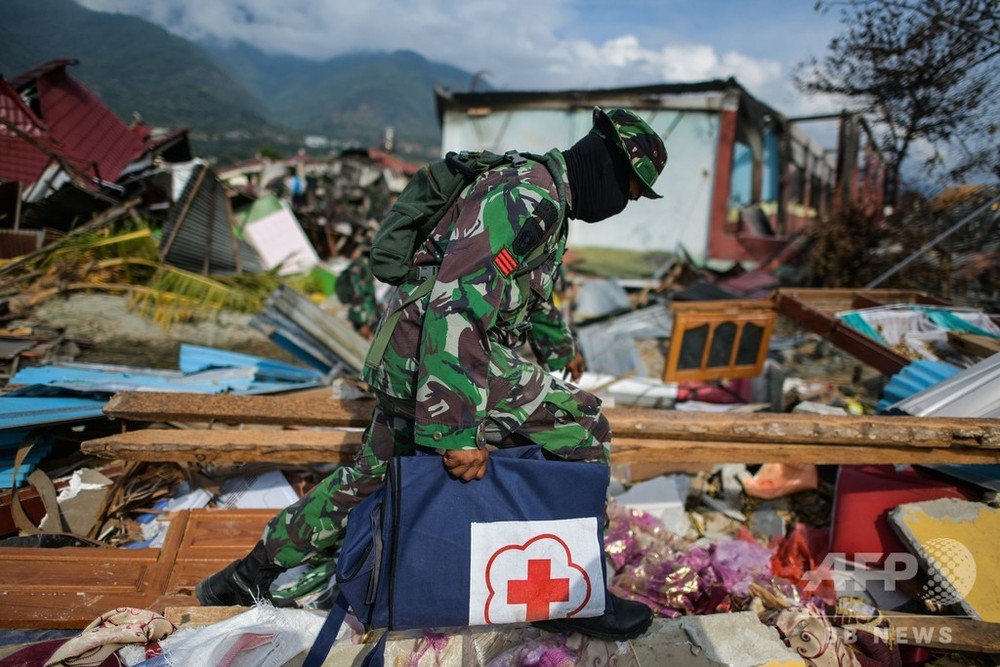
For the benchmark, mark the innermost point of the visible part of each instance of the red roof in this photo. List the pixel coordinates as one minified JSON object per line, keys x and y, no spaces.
{"x":393,"y":162}
{"x":72,"y":125}
{"x":22,"y":139}
{"x":84,"y":127}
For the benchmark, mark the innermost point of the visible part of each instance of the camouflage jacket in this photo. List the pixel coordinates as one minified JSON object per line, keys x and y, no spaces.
{"x":440,"y":353}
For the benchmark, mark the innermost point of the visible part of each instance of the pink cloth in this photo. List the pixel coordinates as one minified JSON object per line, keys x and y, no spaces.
{"x":108,"y":633}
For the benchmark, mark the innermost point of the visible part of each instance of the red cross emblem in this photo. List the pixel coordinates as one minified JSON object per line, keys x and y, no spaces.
{"x":539,"y":590}
{"x":534,"y":581}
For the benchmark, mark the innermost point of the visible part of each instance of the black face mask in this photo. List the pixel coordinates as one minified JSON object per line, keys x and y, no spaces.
{"x":599,"y":177}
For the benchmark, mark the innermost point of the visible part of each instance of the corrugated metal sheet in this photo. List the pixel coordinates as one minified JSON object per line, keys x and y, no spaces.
{"x":23,"y":412}
{"x":110,"y":379}
{"x":319,"y":339}
{"x":973,"y":392}
{"x":914,"y":378}
{"x":609,"y":346}
{"x":8,"y":479}
{"x":199,"y":236}
{"x":196,"y":358}
{"x":64,"y":209}
{"x":215,"y":371}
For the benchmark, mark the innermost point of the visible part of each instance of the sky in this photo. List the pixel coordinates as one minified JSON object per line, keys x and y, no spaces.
{"x":540,"y":45}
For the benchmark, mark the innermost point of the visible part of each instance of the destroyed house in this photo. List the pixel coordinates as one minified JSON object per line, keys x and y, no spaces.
{"x":741,"y":179}
{"x":64,"y":154}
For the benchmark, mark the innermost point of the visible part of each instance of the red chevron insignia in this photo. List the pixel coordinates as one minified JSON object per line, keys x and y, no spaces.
{"x":505,"y":262}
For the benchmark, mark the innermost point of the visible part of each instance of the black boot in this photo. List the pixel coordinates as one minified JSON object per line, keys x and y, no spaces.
{"x":624,"y":619}
{"x":242,"y":583}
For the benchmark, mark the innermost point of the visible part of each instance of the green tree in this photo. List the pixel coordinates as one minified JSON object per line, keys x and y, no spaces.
{"x":926,"y":72}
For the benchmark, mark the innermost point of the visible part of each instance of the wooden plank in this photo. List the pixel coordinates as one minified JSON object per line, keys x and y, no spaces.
{"x":300,"y":408}
{"x":70,"y":587}
{"x":948,"y":633}
{"x":633,"y":450}
{"x":974,"y":344}
{"x":762,"y":428}
{"x":212,"y":539}
{"x":330,"y":446}
{"x":212,"y":446}
{"x":782,"y":428}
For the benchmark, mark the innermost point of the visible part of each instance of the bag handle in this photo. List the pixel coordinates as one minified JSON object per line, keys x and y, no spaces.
{"x":519,"y":452}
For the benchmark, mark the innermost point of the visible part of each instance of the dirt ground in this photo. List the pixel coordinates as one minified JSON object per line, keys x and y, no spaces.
{"x":110,"y":332}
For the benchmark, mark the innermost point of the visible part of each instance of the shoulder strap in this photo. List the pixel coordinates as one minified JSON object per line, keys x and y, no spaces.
{"x":377,"y":349}
{"x":547,"y":244}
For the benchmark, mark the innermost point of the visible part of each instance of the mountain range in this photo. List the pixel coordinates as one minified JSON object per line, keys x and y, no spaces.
{"x":235,"y":99}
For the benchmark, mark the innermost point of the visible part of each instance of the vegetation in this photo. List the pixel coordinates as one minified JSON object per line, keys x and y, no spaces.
{"x":123,"y":257}
{"x":926,"y":71}
{"x":843,"y":252}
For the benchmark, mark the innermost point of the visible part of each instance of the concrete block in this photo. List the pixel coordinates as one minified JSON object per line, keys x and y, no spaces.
{"x":716,"y":639}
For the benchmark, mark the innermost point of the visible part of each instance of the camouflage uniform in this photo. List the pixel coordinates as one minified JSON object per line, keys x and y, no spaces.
{"x":362,"y":309}
{"x":451,"y":376}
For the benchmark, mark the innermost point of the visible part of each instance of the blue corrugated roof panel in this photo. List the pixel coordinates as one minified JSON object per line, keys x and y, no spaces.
{"x":204,"y":370}
{"x":915,"y":377}
{"x":111,"y":379}
{"x":196,"y":358}
{"x":37,"y":453}
{"x":21,"y":412}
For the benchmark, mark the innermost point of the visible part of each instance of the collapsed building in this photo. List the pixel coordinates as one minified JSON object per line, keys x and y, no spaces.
{"x":741,"y":179}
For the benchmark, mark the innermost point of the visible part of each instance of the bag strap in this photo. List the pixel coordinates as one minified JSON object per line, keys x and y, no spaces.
{"x":328,"y":633}
{"x":324,"y":641}
{"x":377,"y":349}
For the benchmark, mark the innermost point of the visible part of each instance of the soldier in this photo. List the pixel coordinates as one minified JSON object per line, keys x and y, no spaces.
{"x":451,"y":378}
{"x":357,"y":292}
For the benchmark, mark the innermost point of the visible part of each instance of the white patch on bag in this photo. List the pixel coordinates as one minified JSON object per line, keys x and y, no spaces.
{"x":522,"y":571}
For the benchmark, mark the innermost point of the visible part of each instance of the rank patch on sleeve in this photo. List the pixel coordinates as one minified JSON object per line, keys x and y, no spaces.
{"x":505,"y":262}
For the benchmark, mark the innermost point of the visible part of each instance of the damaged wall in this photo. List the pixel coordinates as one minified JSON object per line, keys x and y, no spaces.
{"x":740,"y":181}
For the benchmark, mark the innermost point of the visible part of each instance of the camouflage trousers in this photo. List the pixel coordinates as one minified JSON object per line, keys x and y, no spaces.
{"x":526,"y":405}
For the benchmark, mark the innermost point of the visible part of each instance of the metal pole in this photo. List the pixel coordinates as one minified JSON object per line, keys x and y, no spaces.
{"x":930,"y":244}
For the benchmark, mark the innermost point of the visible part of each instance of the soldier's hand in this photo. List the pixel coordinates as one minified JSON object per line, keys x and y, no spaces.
{"x":365,"y":330}
{"x":466,"y":464}
{"x":576,"y":367}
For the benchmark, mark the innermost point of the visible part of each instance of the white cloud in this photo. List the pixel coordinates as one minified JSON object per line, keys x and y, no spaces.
{"x":520,"y":49}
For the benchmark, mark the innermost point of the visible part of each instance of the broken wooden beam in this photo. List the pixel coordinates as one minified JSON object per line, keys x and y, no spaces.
{"x":948,"y":633}
{"x":317,"y":409}
{"x":307,"y":408}
{"x":636,"y":450}
{"x":231,"y":446}
{"x":227,"y":446}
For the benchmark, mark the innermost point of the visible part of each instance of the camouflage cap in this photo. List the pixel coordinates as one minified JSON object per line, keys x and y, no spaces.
{"x":642,"y":145}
